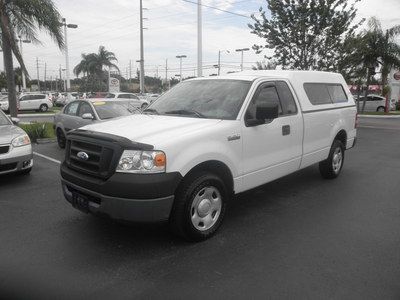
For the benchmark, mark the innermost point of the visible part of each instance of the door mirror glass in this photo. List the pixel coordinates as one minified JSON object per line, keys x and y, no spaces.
{"x":87,"y":116}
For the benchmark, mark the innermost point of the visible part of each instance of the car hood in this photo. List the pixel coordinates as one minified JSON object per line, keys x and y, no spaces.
{"x":152,"y":129}
{"x":8,"y":133}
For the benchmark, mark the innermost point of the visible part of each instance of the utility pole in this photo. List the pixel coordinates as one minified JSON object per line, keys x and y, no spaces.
{"x":60,"y":77}
{"x":130,"y":70}
{"x":51,"y":83}
{"x":242,"y":50}
{"x":64,"y":23}
{"x":45,"y":74}
{"x":199,"y":40}
{"x":166,"y":72}
{"x":180,"y":65}
{"x":37,"y":73}
{"x":141,"y":50}
{"x":219,"y":60}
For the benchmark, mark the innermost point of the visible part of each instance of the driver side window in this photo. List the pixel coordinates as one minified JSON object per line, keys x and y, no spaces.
{"x":267,"y":93}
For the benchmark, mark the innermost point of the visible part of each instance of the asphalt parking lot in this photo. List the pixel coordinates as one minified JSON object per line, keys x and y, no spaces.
{"x":298,"y":237}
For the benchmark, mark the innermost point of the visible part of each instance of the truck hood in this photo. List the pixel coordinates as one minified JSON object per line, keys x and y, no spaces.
{"x":152,"y":129}
{"x":8,"y":133}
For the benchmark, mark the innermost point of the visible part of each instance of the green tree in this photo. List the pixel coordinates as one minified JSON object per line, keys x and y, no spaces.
{"x":23,"y":18}
{"x":306,"y":34}
{"x":262,"y":65}
{"x":94,"y":63}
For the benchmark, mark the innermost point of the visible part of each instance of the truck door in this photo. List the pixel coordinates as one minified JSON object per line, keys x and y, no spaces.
{"x":273,"y":149}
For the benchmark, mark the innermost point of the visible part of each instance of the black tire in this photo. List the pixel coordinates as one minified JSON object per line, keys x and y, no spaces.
{"x":329,"y":168}
{"x":25,"y":172}
{"x":43,"y":108}
{"x":182,"y":211}
{"x":380,"y":108}
{"x":61,"y":140}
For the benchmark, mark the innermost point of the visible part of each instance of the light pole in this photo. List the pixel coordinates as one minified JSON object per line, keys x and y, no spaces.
{"x":242,"y":50}
{"x":22,"y":55}
{"x":180,"y":65}
{"x":64,"y":23}
{"x":219,"y":60}
{"x":199,"y":40}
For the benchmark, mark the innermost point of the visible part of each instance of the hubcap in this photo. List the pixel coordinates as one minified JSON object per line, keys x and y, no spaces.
{"x":337,"y":160}
{"x":206,"y":208}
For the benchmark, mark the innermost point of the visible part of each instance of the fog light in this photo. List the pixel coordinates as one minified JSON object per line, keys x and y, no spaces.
{"x":27,"y":164}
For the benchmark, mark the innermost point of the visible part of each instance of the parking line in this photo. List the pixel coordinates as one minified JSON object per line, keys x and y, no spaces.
{"x":48,"y":158}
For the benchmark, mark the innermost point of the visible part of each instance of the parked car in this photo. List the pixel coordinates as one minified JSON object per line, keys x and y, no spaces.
{"x":79,"y":113}
{"x":205,"y":140}
{"x":375,"y":103}
{"x":36,"y":102}
{"x":15,"y":147}
{"x":142,"y":103}
{"x":64,"y":98}
{"x":4,"y":103}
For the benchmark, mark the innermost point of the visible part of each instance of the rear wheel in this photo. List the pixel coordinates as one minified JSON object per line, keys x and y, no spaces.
{"x":43,"y":108}
{"x":331,"y":167}
{"x":61,"y":140}
{"x":380,"y":109}
{"x":199,"y":206}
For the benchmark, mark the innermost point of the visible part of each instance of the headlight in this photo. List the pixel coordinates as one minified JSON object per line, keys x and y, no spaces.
{"x":21,"y":140}
{"x":146,"y":162}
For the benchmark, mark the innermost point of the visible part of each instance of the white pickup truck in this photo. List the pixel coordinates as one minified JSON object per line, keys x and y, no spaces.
{"x":206,"y":140}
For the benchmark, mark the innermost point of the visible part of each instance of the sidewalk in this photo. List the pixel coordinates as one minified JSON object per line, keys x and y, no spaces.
{"x":388,"y":116}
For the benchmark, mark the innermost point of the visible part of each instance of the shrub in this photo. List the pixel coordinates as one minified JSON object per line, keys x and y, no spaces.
{"x":37,"y":131}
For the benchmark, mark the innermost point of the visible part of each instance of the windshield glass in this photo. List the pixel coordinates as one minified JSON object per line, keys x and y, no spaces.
{"x":4,"y":120}
{"x":114,"y":109}
{"x":215,"y":99}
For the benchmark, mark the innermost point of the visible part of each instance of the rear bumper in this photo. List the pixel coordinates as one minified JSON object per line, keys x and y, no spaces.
{"x":351,"y":143}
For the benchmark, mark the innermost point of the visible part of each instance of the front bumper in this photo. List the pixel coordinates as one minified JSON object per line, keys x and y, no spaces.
{"x":128,"y":197}
{"x":16,"y":159}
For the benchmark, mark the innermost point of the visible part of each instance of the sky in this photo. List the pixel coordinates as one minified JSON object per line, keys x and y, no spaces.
{"x":171,"y":31}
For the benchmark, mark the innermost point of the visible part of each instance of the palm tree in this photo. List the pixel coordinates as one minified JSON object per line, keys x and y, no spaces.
{"x":23,"y":18}
{"x":93,"y":63}
{"x":379,"y":49}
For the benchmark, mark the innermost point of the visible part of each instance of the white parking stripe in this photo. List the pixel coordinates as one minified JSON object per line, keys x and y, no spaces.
{"x":48,"y":158}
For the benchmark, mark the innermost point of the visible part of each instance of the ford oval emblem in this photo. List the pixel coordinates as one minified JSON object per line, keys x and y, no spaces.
{"x":82,"y":155}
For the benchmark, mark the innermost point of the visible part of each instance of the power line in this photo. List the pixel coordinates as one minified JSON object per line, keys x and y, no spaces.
{"x":219,"y":9}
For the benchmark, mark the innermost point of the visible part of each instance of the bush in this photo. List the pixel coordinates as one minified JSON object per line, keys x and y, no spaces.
{"x":37,"y":131}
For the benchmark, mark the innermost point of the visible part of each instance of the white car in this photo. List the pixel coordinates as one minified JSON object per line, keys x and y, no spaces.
{"x":375,"y":103}
{"x":37,"y":102}
{"x":15,"y":148}
{"x":139,"y":102}
{"x":205,"y":140}
{"x":4,"y":103}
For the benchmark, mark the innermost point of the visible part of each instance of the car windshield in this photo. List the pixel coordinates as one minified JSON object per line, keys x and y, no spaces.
{"x":4,"y":120}
{"x":214,"y":99}
{"x":114,"y":109}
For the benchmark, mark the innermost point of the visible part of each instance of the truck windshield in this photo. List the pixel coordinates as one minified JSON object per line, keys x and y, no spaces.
{"x":208,"y":98}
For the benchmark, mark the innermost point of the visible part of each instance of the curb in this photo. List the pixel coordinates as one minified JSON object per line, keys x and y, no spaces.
{"x":36,"y":115}
{"x":380,"y":117}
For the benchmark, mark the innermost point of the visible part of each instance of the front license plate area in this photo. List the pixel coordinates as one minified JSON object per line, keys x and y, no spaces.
{"x":80,"y":202}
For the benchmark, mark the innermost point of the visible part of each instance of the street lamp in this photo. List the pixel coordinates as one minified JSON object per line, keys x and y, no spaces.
{"x":22,"y":55}
{"x":64,"y":23}
{"x":180,"y":65}
{"x":219,"y":60}
{"x":242,"y":50}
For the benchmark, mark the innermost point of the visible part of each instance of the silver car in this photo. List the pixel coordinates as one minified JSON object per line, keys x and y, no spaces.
{"x":15,"y":148}
{"x":84,"y":112}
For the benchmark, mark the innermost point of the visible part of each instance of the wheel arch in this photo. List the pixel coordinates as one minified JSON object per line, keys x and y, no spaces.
{"x":341,"y":136}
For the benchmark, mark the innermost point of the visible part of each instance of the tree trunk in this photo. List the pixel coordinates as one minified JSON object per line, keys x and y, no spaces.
{"x":359,"y":86}
{"x":9,"y":69}
{"x":366,"y":91}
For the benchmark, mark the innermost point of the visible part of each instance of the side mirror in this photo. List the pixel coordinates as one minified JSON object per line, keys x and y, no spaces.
{"x":264,"y":112}
{"x":87,"y":116}
{"x":15,"y":121}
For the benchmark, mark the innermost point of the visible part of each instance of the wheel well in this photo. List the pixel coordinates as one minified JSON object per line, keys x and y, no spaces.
{"x":342,"y":136}
{"x":217,"y":168}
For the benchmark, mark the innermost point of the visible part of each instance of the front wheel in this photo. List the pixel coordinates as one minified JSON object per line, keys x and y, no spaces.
{"x":380,"y":109}
{"x":43,"y":108}
{"x":331,"y":167}
{"x":199,"y":206}
{"x":61,"y":140}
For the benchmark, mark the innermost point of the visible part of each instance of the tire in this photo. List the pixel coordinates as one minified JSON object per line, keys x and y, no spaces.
{"x":380,"y":109}
{"x":199,"y":206}
{"x":25,"y":172}
{"x":43,"y":108}
{"x":332,"y":166}
{"x":61,"y":140}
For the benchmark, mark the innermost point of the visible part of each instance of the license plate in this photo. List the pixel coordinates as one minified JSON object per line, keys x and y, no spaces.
{"x":80,"y":202}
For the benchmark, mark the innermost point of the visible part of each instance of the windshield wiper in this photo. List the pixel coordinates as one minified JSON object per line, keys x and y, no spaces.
{"x":185,"y":112}
{"x":151,"y":110}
